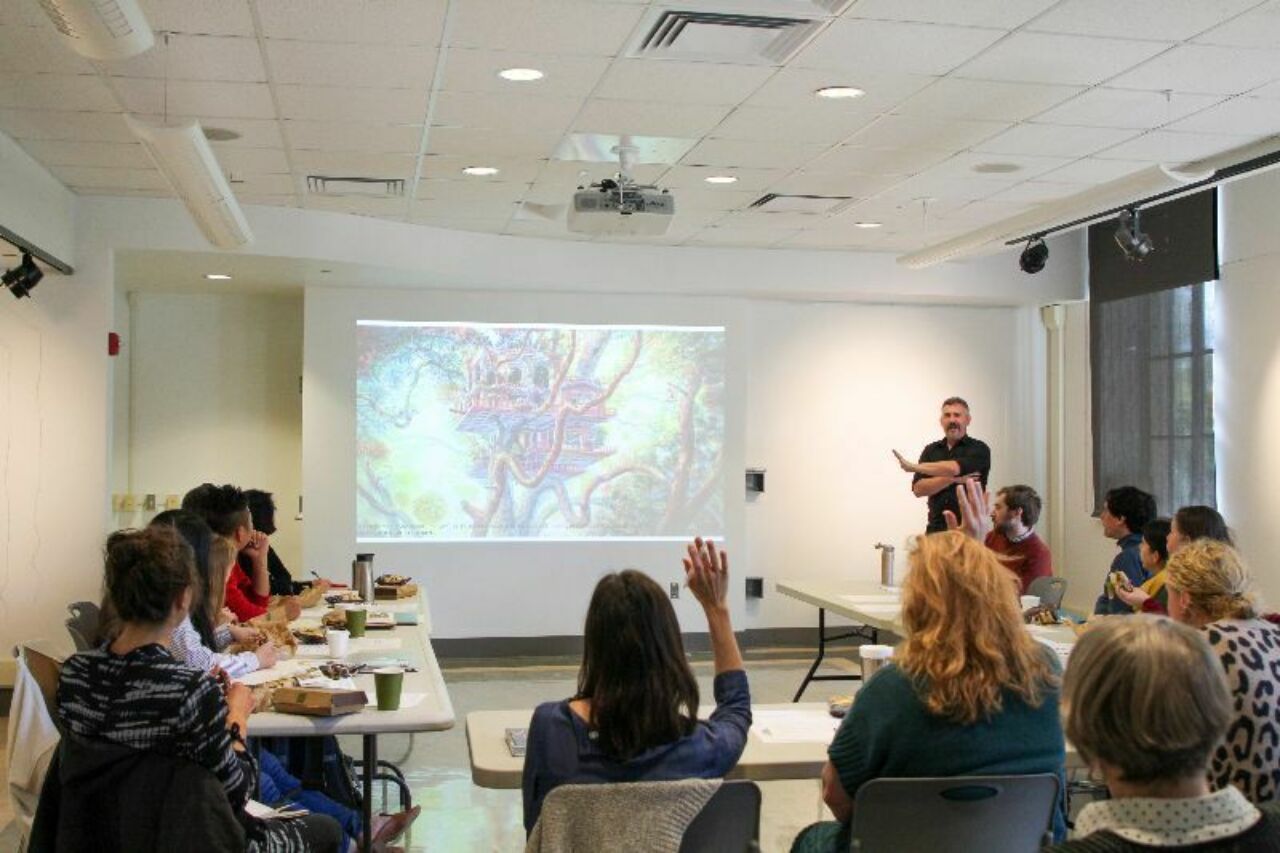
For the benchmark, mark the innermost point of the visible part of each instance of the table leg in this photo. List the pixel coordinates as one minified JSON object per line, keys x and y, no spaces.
{"x":370,"y":767}
{"x":822,"y":650}
{"x":863,"y":631}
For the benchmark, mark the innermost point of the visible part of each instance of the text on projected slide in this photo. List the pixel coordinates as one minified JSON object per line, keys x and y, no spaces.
{"x":502,"y":431}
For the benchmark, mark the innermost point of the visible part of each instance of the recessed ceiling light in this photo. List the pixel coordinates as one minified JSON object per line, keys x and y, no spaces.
{"x":721,"y":179}
{"x":217,"y":276}
{"x":520,"y":75}
{"x":867,"y":224}
{"x":838,"y":92}
{"x":480,"y":171}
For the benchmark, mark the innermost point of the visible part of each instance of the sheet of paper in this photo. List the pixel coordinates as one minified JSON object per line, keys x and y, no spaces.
{"x":357,"y":645}
{"x":778,"y":726}
{"x":407,"y":700}
{"x":283,"y":669}
{"x":1062,"y":650}
{"x":328,"y":683}
{"x":885,"y":598}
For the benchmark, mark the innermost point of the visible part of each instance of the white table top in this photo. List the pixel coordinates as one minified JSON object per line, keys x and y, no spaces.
{"x":434,"y":712}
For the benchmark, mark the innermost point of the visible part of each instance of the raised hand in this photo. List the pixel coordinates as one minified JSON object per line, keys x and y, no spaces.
{"x":975,"y":509}
{"x":706,"y":572}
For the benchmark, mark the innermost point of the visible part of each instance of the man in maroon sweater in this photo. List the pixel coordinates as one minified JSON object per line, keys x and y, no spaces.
{"x":1013,"y":516}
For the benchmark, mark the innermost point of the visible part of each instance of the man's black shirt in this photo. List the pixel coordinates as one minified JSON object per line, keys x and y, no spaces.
{"x":972,"y":455}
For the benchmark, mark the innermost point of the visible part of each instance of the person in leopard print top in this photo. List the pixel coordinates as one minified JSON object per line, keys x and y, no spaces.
{"x":1210,"y":589}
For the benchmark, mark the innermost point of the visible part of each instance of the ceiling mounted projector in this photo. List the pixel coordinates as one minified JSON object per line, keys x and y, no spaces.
{"x":619,"y":206}
{"x":1129,"y":236}
{"x":101,"y":29}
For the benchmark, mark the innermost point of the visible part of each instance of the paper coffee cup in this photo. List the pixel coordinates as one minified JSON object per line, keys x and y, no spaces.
{"x":356,"y":620}
{"x":1029,"y":601}
{"x":339,"y":642}
{"x":388,"y":681}
{"x":873,"y":658}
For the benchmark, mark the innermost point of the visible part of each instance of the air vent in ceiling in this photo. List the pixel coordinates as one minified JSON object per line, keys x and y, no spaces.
{"x":817,"y":204}
{"x":365,"y":187}
{"x":724,"y":37}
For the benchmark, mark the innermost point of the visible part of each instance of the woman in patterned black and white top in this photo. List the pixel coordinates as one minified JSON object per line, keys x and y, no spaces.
{"x":1210,"y":589}
{"x":133,"y":693}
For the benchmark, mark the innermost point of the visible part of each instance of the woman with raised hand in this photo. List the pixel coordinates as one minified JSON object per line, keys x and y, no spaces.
{"x":1189,"y":524}
{"x":1145,"y":703}
{"x":968,"y":693}
{"x":635,"y":714}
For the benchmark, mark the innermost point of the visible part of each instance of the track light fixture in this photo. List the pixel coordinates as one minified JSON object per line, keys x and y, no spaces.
{"x":1034,"y":256}
{"x":21,"y":279}
{"x":1129,"y":236}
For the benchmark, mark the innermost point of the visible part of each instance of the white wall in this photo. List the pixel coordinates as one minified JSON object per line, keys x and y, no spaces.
{"x":213,"y":396}
{"x":818,"y":393}
{"x":1247,"y":373}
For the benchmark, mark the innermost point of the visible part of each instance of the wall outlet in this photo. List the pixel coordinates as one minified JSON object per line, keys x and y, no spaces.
{"x":149,"y":502}
{"x":675,"y":589}
{"x":128,"y":503}
{"x":172,"y":502}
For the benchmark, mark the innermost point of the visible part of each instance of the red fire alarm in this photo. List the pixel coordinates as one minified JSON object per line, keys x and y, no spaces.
{"x":113,"y":343}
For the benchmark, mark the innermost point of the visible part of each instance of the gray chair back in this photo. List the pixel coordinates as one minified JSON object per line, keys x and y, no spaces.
{"x":83,"y":624}
{"x":1050,"y":590}
{"x":960,"y":814}
{"x":728,"y":823}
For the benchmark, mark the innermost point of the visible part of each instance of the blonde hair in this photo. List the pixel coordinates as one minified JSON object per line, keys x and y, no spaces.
{"x":965,"y":640}
{"x":222,"y":553}
{"x":1215,"y":578}
{"x":1146,"y":695}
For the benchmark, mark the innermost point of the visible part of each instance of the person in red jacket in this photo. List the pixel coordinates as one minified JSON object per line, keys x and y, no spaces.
{"x":226,"y":510}
{"x":1013,"y":537}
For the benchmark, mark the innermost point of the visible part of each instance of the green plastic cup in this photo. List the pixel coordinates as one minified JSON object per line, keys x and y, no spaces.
{"x":356,"y":620}
{"x":388,"y":682}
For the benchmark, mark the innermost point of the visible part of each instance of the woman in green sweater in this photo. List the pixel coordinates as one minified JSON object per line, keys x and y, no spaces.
{"x":970,"y":692}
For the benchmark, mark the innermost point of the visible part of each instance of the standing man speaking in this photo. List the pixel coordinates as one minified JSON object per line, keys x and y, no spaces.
{"x":954,"y":458}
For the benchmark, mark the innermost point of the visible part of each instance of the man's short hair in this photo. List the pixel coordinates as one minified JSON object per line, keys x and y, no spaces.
{"x":224,"y":508}
{"x":956,"y":401}
{"x":1132,"y":504}
{"x":1025,"y":499}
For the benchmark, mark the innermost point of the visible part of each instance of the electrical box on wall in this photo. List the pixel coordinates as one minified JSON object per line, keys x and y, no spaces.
{"x":755,"y":587}
{"x":755,"y":479}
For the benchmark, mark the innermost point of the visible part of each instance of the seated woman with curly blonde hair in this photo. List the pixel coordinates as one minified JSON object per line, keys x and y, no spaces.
{"x":969,"y":691}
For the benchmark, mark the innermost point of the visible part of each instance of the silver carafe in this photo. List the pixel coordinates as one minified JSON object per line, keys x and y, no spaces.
{"x":362,"y":576}
{"x":886,"y":564}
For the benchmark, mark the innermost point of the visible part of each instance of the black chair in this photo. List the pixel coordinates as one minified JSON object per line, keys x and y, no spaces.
{"x":83,"y":624}
{"x":1050,"y":591}
{"x":728,"y":823}
{"x":959,"y":814}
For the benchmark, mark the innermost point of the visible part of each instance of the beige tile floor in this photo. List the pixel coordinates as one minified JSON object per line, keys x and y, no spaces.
{"x":458,"y":816}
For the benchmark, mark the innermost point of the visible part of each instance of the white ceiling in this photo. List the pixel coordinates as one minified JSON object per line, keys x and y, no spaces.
{"x":1072,"y":92}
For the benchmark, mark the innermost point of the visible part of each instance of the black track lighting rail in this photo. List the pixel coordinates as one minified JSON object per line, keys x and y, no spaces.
{"x":1226,"y":173}
{"x":35,"y":251}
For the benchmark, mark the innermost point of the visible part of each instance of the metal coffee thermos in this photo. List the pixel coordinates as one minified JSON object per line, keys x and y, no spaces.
{"x":886,"y":564}
{"x":362,"y":576}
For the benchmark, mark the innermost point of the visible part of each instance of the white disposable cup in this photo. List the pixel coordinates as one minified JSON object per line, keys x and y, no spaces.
{"x":1029,"y":601}
{"x":339,"y":642}
{"x":873,"y":657}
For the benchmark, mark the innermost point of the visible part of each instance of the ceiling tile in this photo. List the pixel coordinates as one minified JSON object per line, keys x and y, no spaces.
{"x":1036,"y":192}
{"x":875,"y":161}
{"x":475,"y":70}
{"x":559,"y":178}
{"x":1001,"y":14}
{"x":204,"y":17}
{"x":648,"y":118}
{"x":83,"y":127}
{"x":506,"y":111}
{"x":1245,"y":116}
{"x":263,"y":184}
{"x":1161,"y":20}
{"x":492,"y":225}
{"x":696,"y":200}
{"x":454,"y":208}
{"x":111,"y":155}
{"x":917,"y":132}
{"x":792,"y":87}
{"x":1094,"y":171}
{"x":184,"y":57}
{"x":191,"y":97}
{"x":1205,"y":69}
{"x":517,"y":228}
{"x":333,"y":103}
{"x":274,"y":200}
{"x":693,"y":177}
{"x":22,"y":14}
{"x":62,"y":92}
{"x":99,"y":178}
{"x":747,"y":236}
{"x":549,"y":26}
{"x":753,"y":155}
{"x":481,"y":143}
{"x":1161,"y":146}
{"x":1059,"y":59}
{"x":844,"y":239}
{"x":1257,"y":28}
{"x":258,"y":161}
{"x":352,"y":136}
{"x":471,"y":191}
{"x":682,"y":82}
{"x":38,"y":50}
{"x":1126,"y":108}
{"x":1053,"y":140}
{"x":985,"y":99}
{"x":391,"y":66}
{"x":509,"y":168}
{"x":811,"y":122}
{"x":945,"y":190}
{"x":966,"y":165}
{"x":853,"y":46}
{"x":393,"y":208}
{"x":360,"y":163}
{"x":363,"y":21}
{"x":820,"y":183}
{"x":254,"y":132}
